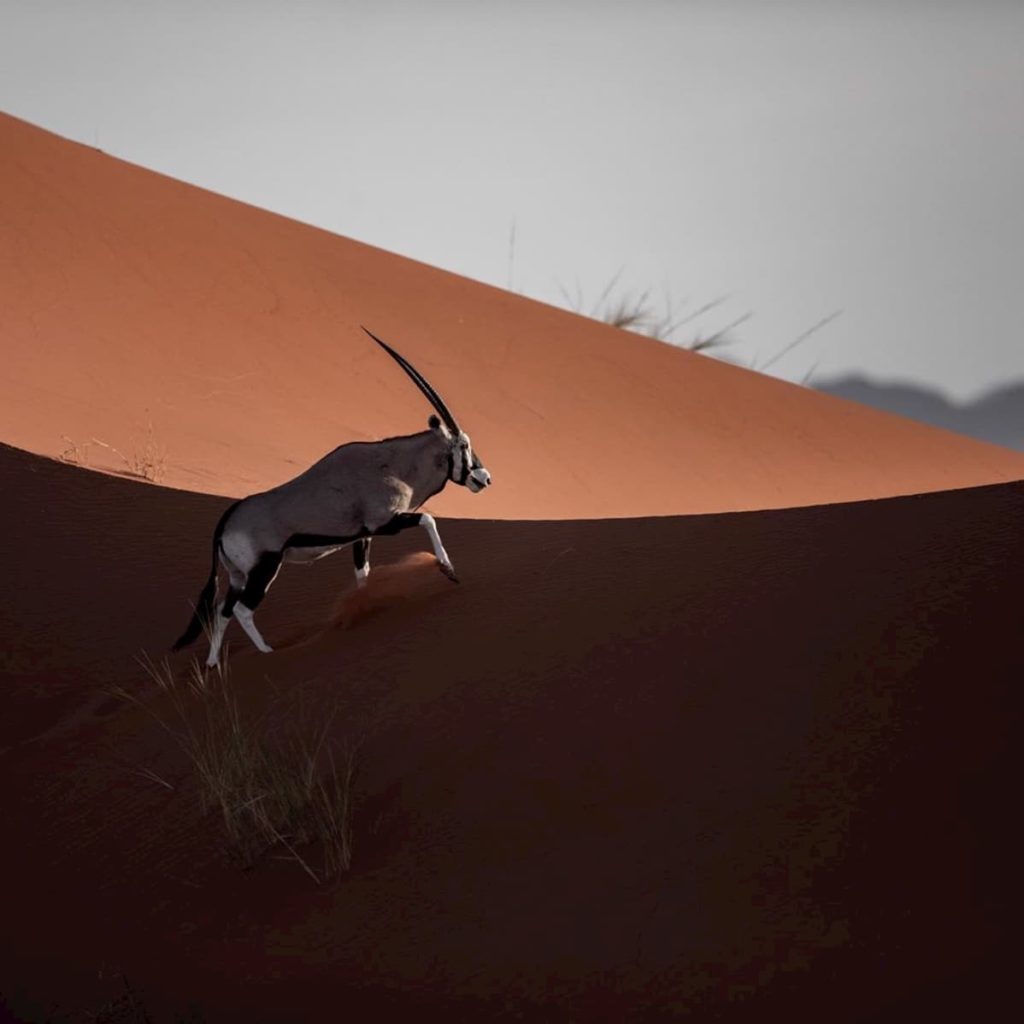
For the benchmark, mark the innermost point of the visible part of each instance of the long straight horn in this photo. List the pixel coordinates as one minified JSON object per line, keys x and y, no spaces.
{"x":420,"y":381}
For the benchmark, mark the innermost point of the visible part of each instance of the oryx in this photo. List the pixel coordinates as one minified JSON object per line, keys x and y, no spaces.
{"x":361,"y":490}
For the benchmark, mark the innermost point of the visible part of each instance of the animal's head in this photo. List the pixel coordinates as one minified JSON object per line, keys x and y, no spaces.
{"x":464,"y":465}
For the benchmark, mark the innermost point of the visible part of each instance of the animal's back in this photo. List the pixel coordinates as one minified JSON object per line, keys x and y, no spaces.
{"x":320,"y":500}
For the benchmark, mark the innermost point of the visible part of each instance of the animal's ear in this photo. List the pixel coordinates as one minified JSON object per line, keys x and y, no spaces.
{"x":439,"y":428}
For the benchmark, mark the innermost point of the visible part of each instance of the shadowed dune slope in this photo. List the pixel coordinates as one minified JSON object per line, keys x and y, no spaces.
{"x":747,"y":765}
{"x":219,"y":344}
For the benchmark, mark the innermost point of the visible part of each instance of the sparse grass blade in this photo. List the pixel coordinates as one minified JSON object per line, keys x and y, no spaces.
{"x":637,"y":313}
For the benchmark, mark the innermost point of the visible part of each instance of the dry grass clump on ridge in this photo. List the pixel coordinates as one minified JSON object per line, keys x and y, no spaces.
{"x":280,"y":788}
{"x":147,"y":460}
{"x":637,"y":312}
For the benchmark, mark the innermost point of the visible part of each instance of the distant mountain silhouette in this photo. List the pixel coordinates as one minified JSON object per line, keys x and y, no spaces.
{"x":997,"y":417}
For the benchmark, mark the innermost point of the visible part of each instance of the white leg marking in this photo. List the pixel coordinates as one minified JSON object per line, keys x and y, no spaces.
{"x":219,"y":627}
{"x":245,"y":620}
{"x":361,"y":575}
{"x":428,"y":524}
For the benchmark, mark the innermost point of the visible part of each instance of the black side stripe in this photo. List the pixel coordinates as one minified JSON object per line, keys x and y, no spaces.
{"x":400,"y":521}
{"x":322,"y":540}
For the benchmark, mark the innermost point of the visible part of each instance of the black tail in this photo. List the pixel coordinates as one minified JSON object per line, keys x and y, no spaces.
{"x":204,"y":605}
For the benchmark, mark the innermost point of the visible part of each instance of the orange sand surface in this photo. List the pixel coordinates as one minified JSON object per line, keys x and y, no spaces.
{"x":146,"y":322}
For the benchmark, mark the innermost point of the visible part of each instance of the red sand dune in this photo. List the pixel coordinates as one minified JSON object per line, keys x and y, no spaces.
{"x":750,"y":765}
{"x":164,"y":320}
{"x":756,"y":766}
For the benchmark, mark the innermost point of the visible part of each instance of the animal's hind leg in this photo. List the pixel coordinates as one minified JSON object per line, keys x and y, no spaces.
{"x":361,"y":559}
{"x":261,"y":575}
{"x":223,"y":613}
{"x":217,"y":630}
{"x":245,"y":620}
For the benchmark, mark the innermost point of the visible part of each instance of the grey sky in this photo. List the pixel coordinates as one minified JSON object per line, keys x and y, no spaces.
{"x":800,"y":157}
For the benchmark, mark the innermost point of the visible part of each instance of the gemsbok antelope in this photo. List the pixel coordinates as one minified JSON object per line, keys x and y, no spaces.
{"x":359,"y":491}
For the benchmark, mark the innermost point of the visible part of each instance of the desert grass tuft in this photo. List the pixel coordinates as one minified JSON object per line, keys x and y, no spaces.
{"x":278,"y":783}
{"x":147,"y":459}
{"x":637,"y":312}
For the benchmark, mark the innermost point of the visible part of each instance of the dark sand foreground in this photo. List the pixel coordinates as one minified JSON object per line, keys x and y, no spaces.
{"x":744,"y":766}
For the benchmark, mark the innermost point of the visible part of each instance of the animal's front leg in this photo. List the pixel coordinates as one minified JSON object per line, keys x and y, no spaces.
{"x":405,"y":520}
{"x":428,"y":524}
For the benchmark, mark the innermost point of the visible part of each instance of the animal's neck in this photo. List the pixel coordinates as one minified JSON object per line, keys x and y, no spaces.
{"x":424,"y":462}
